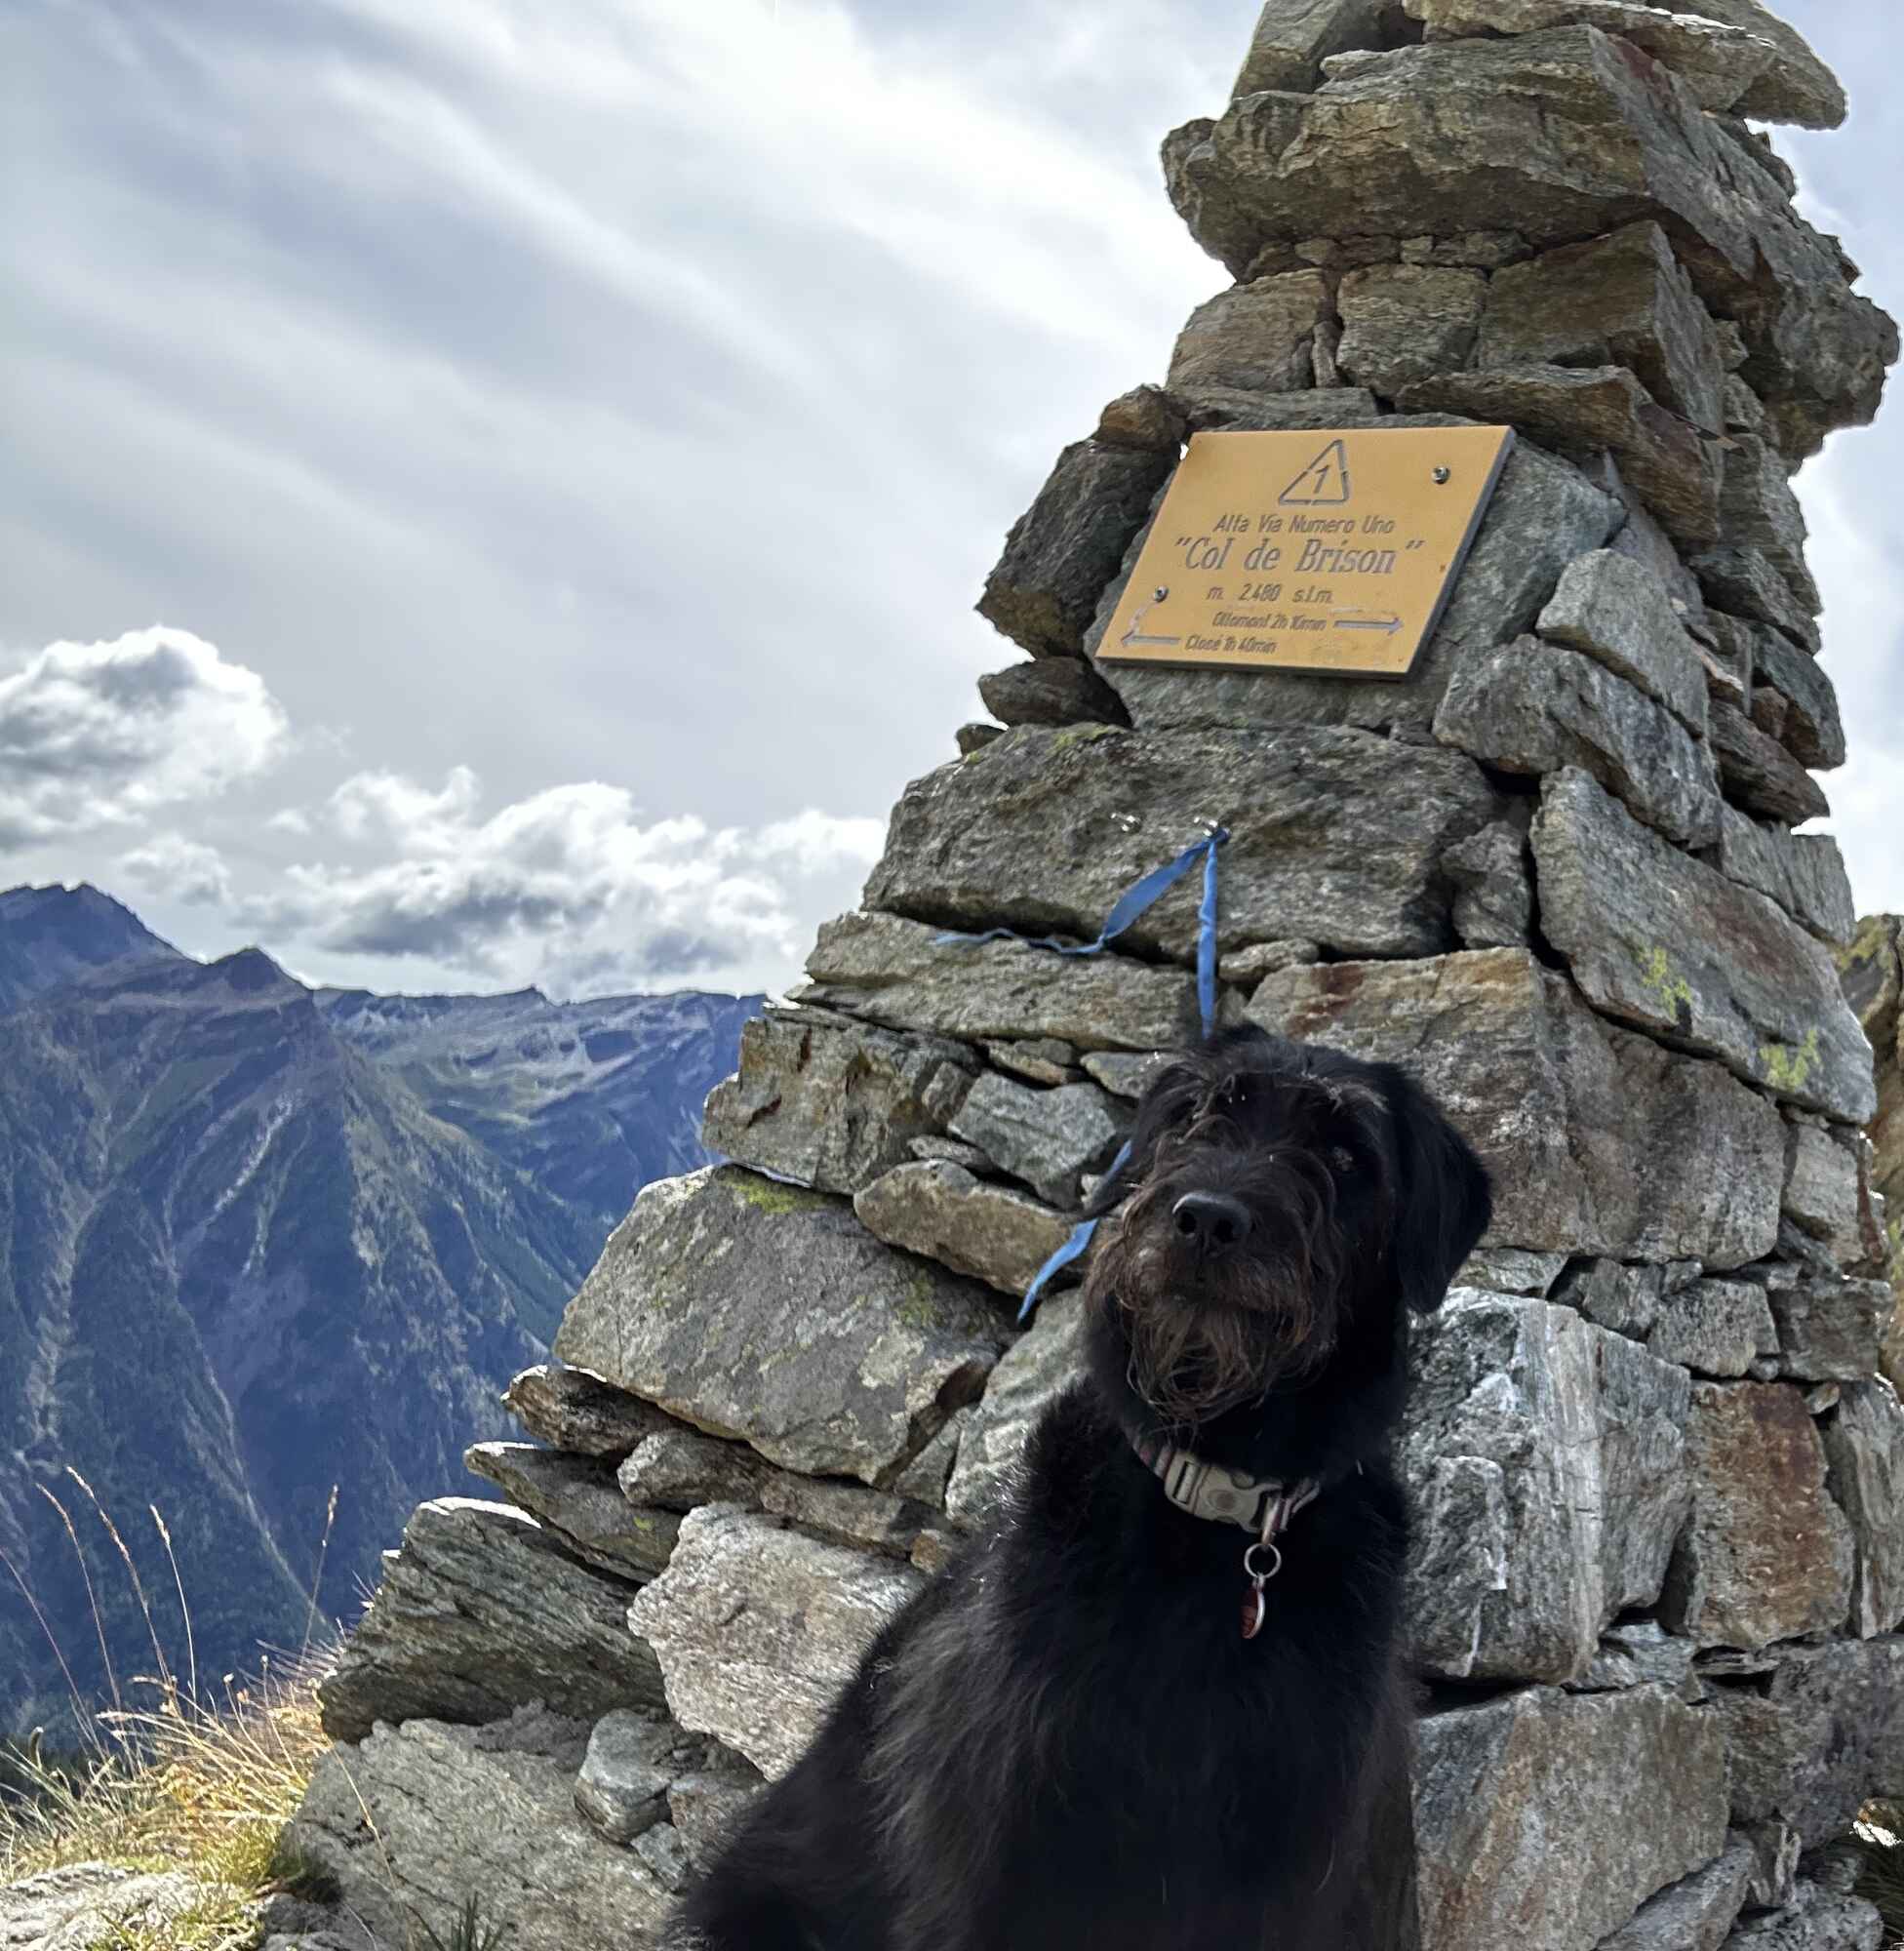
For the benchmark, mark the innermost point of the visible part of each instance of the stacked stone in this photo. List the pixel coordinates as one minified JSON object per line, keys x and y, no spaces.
{"x":1658,"y":1487}
{"x":1874,"y":982}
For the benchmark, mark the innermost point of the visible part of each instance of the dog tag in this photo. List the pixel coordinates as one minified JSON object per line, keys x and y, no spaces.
{"x":1256,"y":1608}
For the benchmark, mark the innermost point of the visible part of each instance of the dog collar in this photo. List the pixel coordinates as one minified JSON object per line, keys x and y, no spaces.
{"x":1260,"y":1505}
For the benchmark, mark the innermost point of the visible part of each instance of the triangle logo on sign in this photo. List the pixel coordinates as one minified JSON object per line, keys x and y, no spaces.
{"x":1323,"y":483}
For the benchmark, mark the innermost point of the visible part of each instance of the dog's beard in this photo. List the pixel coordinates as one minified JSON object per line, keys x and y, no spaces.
{"x":1201,"y":1342}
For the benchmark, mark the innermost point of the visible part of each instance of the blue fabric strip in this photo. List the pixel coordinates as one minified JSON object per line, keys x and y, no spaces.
{"x":1134,"y":901}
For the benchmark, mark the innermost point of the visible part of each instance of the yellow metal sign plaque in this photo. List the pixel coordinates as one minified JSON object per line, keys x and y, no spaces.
{"x":1330,"y":553}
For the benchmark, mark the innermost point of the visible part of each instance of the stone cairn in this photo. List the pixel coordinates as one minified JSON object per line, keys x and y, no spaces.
{"x":1658,"y":1487}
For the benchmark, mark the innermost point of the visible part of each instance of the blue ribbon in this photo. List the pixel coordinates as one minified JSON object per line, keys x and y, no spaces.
{"x":1135,"y":901}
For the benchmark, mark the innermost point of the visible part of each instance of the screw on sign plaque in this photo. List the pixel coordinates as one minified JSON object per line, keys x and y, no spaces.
{"x":1330,"y":553}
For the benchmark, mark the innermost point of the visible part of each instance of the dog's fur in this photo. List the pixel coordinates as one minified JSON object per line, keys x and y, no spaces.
{"x":1065,"y":1741}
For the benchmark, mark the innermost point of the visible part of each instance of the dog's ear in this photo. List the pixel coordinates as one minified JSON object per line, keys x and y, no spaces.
{"x":1444,"y":1201}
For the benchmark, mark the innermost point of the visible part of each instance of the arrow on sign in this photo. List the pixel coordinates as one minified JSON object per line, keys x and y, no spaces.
{"x":1388,"y":624}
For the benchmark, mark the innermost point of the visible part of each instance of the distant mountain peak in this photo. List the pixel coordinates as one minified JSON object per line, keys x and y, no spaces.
{"x":51,"y":936}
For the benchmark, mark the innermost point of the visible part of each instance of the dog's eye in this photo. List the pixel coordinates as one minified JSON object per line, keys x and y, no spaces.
{"x":1342,"y":1159}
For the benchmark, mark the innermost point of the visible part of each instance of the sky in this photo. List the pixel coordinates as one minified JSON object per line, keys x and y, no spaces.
{"x":493,"y":491}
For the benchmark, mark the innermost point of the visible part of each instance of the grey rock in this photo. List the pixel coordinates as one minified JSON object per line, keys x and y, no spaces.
{"x":1507,"y":1270}
{"x":664,"y":1853}
{"x":1765,"y":1555}
{"x":1760,"y":511}
{"x":1811,"y":729}
{"x":1864,"y":1443}
{"x":923,"y":1479}
{"x":1403,"y":322}
{"x":417,"y":1820}
{"x":82,"y":1905}
{"x":1235,"y":409}
{"x":1246,"y":967}
{"x":1484,"y":250}
{"x":942,"y":1211}
{"x":622,"y":1787}
{"x":1048,"y":1139}
{"x":1125,"y":1073}
{"x":680,"y":1468}
{"x":1068,"y":545}
{"x":1802,"y":872}
{"x":1579,"y":410}
{"x":1492,"y":873}
{"x":1832,"y":1329}
{"x":1335,"y":835}
{"x":1625,"y":1299}
{"x":951,"y":1151}
{"x":1037,"y":1059}
{"x":757,"y":1629}
{"x":1759,"y":775}
{"x":577,"y":1497}
{"x":1811,"y":1743}
{"x":1718,"y":62}
{"x":1533,"y":707}
{"x":829,"y":1102}
{"x":568,"y":1409}
{"x":971,"y":739}
{"x":480,"y":1612}
{"x":1715,"y":1328}
{"x":898,"y":973}
{"x":704,"y":1804}
{"x":1145,"y":418}
{"x":1257,"y":336}
{"x":845,"y":1513}
{"x":1584,"y":1431}
{"x":1622,"y":299}
{"x":1828,"y":1190}
{"x":1641,"y":1653}
{"x":1819,"y":1919}
{"x":1623,"y":617}
{"x":766,"y":1312}
{"x":1050,"y":691}
{"x":1545,"y":513}
{"x":1671,"y":946}
{"x":1776,"y":1848}
{"x":1038,"y":1367}
{"x":1293,"y":37}
{"x":1693,"y":1914}
{"x":1746,"y":583}
{"x":1798,"y":87}
{"x":1524,"y":1814}
{"x":1597,"y":1142}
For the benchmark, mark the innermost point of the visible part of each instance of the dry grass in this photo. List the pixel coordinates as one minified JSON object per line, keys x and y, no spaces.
{"x":179,"y":1777}
{"x":1880,"y":1840}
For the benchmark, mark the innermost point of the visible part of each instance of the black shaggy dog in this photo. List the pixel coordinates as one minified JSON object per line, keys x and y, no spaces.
{"x":1158,"y":1705}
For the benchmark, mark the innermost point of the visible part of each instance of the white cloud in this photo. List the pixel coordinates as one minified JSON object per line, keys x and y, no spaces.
{"x":101,"y":735}
{"x":186,"y":870}
{"x":568,"y":887}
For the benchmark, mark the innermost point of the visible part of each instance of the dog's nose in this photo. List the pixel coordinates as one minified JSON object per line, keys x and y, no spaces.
{"x":1211,"y":1219}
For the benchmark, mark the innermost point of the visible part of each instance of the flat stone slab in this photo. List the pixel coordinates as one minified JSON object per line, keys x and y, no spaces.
{"x":1598,"y":1141}
{"x":1765,"y":1554}
{"x":1811,"y":1744}
{"x":831,"y":1102}
{"x":1673,"y":946}
{"x":1567,"y":1442}
{"x":1720,"y":62}
{"x":1533,"y":708}
{"x":1802,"y":872}
{"x":1293,"y":38}
{"x":1068,"y":543}
{"x":763,"y":1311}
{"x":758,"y":1628}
{"x":901,"y":973}
{"x":1693,"y":1914}
{"x":1831,"y":1330}
{"x":1526,"y":1813}
{"x":1044,"y":1362}
{"x":1046,"y":1137}
{"x":1335,"y":835}
{"x":415,"y":1820}
{"x":570,"y":1409}
{"x":1819,"y":1919}
{"x":1864,"y":1443}
{"x":1257,"y":336}
{"x":939,"y":1210}
{"x":577,"y":1497}
{"x":482,"y":1612}
{"x":1617,"y":612}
